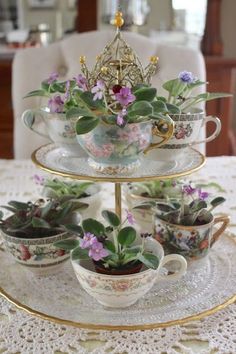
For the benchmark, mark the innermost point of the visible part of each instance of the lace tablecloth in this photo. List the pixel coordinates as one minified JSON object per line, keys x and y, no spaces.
{"x":25,"y":334}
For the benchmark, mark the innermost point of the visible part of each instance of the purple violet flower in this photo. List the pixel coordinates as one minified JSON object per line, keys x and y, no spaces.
{"x":202,"y":195}
{"x":130,"y":217}
{"x":189,"y":190}
{"x":52,"y":77}
{"x":186,"y":77}
{"x":97,"y":251}
{"x":81,"y":82}
{"x":124,"y":96}
{"x":88,"y":240}
{"x":67,"y":93}
{"x":56,"y":104}
{"x":120,"y":117}
{"x":38,"y":179}
{"x":98,"y":90}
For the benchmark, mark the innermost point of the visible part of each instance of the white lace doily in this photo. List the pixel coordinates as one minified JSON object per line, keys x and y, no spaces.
{"x":25,"y":334}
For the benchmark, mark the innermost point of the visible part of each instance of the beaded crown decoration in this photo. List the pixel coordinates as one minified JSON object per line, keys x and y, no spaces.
{"x":118,"y":64}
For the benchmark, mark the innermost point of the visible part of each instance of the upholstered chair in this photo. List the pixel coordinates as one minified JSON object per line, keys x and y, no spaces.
{"x":32,"y":65}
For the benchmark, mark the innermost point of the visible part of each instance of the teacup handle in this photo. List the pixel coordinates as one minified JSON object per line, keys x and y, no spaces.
{"x":30,"y":118}
{"x":181,"y":271}
{"x":214,"y":134}
{"x":225,"y":220}
{"x":159,"y":129}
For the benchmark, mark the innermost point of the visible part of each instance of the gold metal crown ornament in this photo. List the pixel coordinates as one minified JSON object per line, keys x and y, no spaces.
{"x":118,"y":64}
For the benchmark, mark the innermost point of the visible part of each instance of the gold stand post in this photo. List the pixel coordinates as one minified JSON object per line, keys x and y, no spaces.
{"x":118,"y":199}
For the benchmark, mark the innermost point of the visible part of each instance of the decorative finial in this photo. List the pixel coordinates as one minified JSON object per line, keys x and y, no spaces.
{"x":82,"y":59}
{"x":154,"y":59}
{"x":118,"y":21}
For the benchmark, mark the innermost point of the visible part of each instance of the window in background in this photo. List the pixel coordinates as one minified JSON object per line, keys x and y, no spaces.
{"x":189,"y":16}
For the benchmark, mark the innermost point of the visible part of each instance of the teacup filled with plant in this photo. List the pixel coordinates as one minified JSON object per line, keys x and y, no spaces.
{"x":113,"y":263}
{"x":185,"y":225}
{"x":85,"y":192}
{"x":32,"y":228}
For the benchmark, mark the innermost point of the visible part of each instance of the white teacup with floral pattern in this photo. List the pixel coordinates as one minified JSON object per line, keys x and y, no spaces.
{"x":186,"y":132}
{"x":38,"y":255}
{"x":53,"y":126}
{"x":124,"y":290}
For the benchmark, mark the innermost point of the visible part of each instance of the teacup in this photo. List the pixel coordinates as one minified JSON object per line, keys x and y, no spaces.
{"x":115,"y":150}
{"x":186,"y":132}
{"x":192,"y":242}
{"x":124,"y":290}
{"x":38,"y":255}
{"x":53,"y":126}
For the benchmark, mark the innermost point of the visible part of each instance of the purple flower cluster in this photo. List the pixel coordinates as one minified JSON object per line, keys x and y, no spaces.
{"x":38,"y":179}
{"x":56,"y":104}
{"x":130,"y":217}
{"x":186,"y":77}
{"x":189,"y":190}
{"x":96,"y":249}
{"x":98,"y":90}
{"x":81,"y":82}
{"x":125,"y":96}
{"x":52,"y":78}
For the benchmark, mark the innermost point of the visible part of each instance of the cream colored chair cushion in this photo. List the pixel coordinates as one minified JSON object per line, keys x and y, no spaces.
{"x":32,"y":65}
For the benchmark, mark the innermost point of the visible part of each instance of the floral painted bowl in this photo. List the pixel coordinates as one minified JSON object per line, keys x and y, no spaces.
{"x":38,"y":255}
{"x":124,"y":290}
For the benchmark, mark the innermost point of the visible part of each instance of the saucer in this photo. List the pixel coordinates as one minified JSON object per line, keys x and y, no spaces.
{"x":53,"y":159}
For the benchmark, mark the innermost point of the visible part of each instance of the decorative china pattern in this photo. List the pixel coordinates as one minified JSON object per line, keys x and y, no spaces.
{"x":115,"y":150}
{"x":190,"y":241}
{"x":186,"y":133}
{"x":124,"y":290}
{"x":183,"y":131}
{"x":55,"y":159}
{"x":37,"y":253}
{"x":208,"y":283}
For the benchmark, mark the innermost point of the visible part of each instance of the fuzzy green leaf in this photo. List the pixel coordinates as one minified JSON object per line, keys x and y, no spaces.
{"x":149,"y":260}
{"x":159,"y":107}
{"x":172,"y":109}
{"x":66,"y":245}
{"x":111,"y":218}
{"x":217,"y":201}
{"x":18,"y":205}
{"x":145,"y":94}
{"x":75,"y":229}
{"x":40,"y":93}
{"x":110,"y":246}
{"x":175,"y":87}
{"x":86,"y":124}
{"x":140,"y":108}
{"x":77,"y":112}
{"x":93,"y":226}
{"x":40,"y":223}
{"x":126,"y":236}
{"x":79,"y":253}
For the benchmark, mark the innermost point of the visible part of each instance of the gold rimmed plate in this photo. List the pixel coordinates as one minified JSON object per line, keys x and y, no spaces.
{"x":54,"y":159}
{"x":208,"y":286}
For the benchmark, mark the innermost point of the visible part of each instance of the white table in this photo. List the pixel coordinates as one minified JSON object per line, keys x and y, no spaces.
{"x":23,"y":333}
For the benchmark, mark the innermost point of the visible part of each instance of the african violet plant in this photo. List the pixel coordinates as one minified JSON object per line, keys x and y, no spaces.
{"x":169,"y":188}
{"x":113,"y":246}
{"x":41,"y":218}
{"x":57,"y":188}
{"x":120,"y":105}
{"x":194,"y":208}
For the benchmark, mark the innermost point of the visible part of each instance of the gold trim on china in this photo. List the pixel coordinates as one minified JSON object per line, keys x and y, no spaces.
{"x":91,"y":326}
{"x":111,"y":179}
